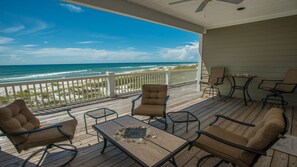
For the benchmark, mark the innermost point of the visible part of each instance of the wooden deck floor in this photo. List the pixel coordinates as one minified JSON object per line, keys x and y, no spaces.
{"x":181,"y":98}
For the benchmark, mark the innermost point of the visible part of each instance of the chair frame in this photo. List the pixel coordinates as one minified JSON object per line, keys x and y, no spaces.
{"x":248,"y":149}
{"x":153,"y":117}
{"x":211,"y":89}
{"x":276,"y":93}
{"x":44,"y":150}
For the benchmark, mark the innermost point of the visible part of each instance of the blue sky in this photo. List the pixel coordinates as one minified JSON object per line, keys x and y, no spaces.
{"x":55,"y":32}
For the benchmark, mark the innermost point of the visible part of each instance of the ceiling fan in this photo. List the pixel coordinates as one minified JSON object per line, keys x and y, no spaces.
{"x":205,"y":2}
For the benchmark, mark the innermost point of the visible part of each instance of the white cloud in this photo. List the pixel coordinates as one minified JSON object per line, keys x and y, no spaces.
{"x":35,"y":55}
{"x":82,"y":54}
{"x":105,"y":36}
{"x":72,"y":8}
{"x":45,"y":42}
{"x":15,"y":58}
{"x":181,"y":53}
{"x":34,"y":26}
{"x":13,"y":29}
{"x":5,"y":40}
{"x":29,"y":45}
{"x":88,"y":42}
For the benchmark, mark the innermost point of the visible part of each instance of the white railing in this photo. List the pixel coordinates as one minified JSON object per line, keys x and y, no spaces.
{"x":48,"y":94}
{"x":129,"y":83}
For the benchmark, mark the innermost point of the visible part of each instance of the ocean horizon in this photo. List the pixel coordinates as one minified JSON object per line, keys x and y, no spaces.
{"x":18,"y":73}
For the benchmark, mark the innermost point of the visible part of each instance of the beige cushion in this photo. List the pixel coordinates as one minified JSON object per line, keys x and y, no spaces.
{"x":154,"y":94}
{"x":149,"y":110}
{"x":216,"y":72}
{"x":291,"y":77}
{"x":17,"y":117}
{"x":49,"y":136}
{"x":266,"y":131}
{"x":219,"y":149}
{"x":260,"y":136}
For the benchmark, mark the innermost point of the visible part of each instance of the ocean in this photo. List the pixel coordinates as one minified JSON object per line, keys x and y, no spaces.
{"x":17,"y":73}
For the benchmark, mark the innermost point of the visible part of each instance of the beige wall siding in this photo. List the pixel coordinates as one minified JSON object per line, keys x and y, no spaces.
{"x":267,"y":49}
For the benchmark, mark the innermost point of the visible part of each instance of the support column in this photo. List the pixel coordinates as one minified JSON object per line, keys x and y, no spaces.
{"x":110,"y":84}
{"x":199,"y":70}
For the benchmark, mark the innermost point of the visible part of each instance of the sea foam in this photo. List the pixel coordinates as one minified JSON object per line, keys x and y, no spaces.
{"x":42,"y":75}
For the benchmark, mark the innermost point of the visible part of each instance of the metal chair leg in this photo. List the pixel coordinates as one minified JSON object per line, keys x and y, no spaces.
{"x":44,"y":150}
{"x":201,"y":159}
{"x":85,"y":124}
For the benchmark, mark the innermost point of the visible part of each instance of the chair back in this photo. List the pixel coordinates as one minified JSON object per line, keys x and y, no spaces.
{"x":267,"y":131}
{"x":216,"y":76}
{"x":291,"y":77}
{"x":154,"y":94}
{"x":16,"y":117}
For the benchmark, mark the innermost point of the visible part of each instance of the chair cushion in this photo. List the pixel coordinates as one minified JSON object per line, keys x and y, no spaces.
{"x":149,"y":110}
{"x":264,"y":133}
{"x":219,"y":149}
{"x":50,"y":136}
{"x":17,"y":117}
{"x":154,"y":94}
{"x":289,"y":78}
{"x":216,"y":72}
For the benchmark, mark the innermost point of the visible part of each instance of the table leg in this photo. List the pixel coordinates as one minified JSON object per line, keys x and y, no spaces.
{"x":86,"y":123}
{"x":97,"y":132}
{"x":231,"y":87}
{"x":172,"y":161}
{"x":247,"y":90}
{"x":104,"y":145}
{"x":187,"y":122}
{"x":173,"y":128}
{"x":244,"y":97}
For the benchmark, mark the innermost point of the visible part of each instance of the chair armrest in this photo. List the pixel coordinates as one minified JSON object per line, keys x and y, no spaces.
{"x":220,"y":80}
{"x":231,"y":119}
{"x":166,"y":99}
{"x":268,"y":80}
{"x":231,"y":144}
{"x":68,"y":112}
{"x":289,"y":84}
{"x":133,"y":103}
{"x":32,"y":131}
{"x":137,"y":98}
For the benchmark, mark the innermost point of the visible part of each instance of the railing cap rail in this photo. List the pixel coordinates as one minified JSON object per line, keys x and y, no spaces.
{"x":49,"y":80}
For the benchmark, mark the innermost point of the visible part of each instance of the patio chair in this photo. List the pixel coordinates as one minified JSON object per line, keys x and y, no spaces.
{"x":239,"y":150}
{"x":215,"y":78}
{"x":279,"y":87}
{"x":23,"y":129}
{"x":153,"y":103}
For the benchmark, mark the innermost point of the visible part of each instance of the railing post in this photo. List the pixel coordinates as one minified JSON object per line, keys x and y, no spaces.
{"x":199,"y":67}
{"x":110,"y":84}
{"x":168,"y":77}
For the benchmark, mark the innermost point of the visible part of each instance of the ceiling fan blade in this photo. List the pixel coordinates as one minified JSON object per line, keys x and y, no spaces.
{"x":232,"y":1}
{"x":177,"y":2}
{"x":202,"y":5}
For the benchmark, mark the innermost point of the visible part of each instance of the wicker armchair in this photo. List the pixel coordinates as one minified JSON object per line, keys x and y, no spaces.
{"x":239,"y":150}
{"x":153,"y":103}
{"x":23,"y":129}
{"x":279,"y":87}
{"x":216,"y":78}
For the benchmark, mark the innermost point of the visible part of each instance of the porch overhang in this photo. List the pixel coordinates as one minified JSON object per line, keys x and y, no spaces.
{"x":133,"y":10}
{"x":216,"y":14}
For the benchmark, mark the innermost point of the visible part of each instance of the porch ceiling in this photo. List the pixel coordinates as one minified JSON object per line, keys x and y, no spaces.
{"x":182,"y":15}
